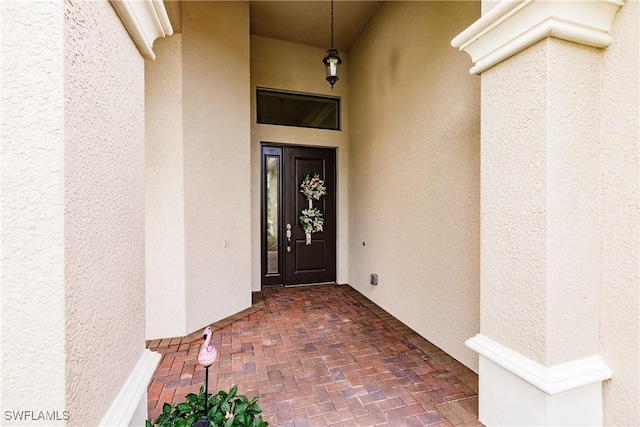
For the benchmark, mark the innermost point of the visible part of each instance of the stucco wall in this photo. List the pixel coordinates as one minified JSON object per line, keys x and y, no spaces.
{"x":164,"y":192}
{"x":294,"y":67}
{"x":514,"y":204}
{"x":414,"y":171}
{"x":31,"y":209}
{"x":198,"y":169}
{"x":217,"y":160}
{"x":620,"y":219}
{"x":539,"y":206}
{"x":104,"y":208}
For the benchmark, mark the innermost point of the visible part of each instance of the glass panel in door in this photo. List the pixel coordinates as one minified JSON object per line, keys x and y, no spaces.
{"x":272,"y":183}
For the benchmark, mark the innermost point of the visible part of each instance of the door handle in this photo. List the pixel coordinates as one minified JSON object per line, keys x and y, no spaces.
{"x":288,"y":237}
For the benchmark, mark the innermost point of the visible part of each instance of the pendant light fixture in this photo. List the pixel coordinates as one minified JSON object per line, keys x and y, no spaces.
{"x":331,"y":59}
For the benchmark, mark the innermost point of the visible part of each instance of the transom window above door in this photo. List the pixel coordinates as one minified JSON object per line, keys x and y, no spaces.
{"x":296,"y":109}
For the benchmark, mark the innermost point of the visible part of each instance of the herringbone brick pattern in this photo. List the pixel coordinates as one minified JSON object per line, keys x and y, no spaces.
{"x":320,"y":356}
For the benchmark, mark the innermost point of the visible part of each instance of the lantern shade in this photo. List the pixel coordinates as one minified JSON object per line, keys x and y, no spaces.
{"x":332,"y":63}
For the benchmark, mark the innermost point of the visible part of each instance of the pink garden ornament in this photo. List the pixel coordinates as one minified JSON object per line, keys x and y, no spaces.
{"x":208,"y":353}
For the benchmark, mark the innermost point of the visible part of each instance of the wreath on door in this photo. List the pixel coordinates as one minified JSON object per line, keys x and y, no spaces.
{"x":311,"y":219}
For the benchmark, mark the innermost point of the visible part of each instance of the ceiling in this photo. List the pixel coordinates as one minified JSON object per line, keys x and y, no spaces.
{"x":309,"y":22}
{"x":304,"y":22}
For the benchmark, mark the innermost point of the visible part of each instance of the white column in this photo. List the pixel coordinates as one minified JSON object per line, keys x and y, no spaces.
{"x":540,"y":247}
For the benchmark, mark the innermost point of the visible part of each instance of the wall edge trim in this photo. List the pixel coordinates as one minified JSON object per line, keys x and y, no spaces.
{"x":145,"y":20}
{"x":124,"y":406}
{"x":514,"y":25}
{"x":553,"y":379}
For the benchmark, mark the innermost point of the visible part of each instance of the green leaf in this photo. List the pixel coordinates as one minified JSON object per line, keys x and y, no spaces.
{"x":166,"y":408}
{"x":218,"y":418}
{"x":180,"y":422}
{"x":229,"y":422}
{"x":240,"y":408}
{"x":148,"y":423}
{"x":233,"y":391}
{"x":184,"y":407}
{"x":258,"y":422}
{"x":192,"y":419}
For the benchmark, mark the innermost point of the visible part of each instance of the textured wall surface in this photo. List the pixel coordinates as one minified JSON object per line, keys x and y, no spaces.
{"x":508,"y":205}
{"x":217,"y":159}
{"x":31,"y":209}
{"x":539,"y":204}
{"x":104,"y":207}
{"x":282,"y":65}
{"x":620,"y":216}
{"x":572,"y":193}
{"x":414,"y":169}
{"x":164,"y":192}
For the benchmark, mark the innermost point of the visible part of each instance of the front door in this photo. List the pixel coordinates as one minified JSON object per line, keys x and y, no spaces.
{"x":289,"y":255}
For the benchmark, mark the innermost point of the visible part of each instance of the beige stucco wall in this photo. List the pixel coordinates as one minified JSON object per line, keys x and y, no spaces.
{"x":104,"y":208}
{"x":539,"y":204}
{"x":414,"y":171}
{"x":164,"y":192}
{"x":31,"y":208}
{"x":620,"y":219}
{"x":198,"y":169}
{"x":294,"y":67}
{"x":217,"y":160}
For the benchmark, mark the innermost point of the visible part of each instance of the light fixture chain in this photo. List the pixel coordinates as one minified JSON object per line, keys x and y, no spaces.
{"x":332,"y":23}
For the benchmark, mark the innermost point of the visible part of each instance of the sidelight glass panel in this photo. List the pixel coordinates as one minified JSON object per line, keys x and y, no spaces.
{"x":295,"y":109}
{"x":272,"y":180}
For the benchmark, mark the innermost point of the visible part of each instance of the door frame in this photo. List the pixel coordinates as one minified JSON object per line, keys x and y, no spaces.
{"x":277,"y":149}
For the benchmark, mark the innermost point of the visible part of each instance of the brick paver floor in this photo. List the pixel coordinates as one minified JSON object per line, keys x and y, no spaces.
{"x":319,"y":356}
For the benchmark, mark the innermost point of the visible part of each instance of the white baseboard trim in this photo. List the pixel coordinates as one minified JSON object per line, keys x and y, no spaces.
{"x":126,"y":404}
{"x":552,"y":380}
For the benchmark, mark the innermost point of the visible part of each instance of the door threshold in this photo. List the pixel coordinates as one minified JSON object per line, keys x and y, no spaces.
{"x":310,"y":284}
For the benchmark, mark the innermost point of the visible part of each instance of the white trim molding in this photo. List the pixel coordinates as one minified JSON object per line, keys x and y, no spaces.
{"x":552,"y":380}
{"x":514,"y":25}
{"x":133,"y":394}
{"x":145,"y":20}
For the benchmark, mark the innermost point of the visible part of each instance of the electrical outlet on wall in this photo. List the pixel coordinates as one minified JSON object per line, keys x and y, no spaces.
{"x":374,"y":279}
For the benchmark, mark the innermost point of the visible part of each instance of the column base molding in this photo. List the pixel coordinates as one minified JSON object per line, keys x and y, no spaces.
{"x":515,"y":390}
{"x":130,"y":406}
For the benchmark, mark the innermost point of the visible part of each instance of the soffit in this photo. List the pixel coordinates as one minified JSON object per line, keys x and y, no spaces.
{"x":309,"y":22}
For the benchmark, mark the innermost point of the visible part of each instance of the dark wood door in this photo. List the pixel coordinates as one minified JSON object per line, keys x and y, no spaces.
{"x":292,"y":260}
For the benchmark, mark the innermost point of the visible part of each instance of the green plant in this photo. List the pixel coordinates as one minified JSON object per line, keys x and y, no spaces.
{"x":224,"y":410}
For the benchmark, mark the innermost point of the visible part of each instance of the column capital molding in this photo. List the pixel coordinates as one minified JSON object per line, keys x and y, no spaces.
{"x":145,"y":20}
{"x":551,"y":380}
{"x":514,"y":25}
